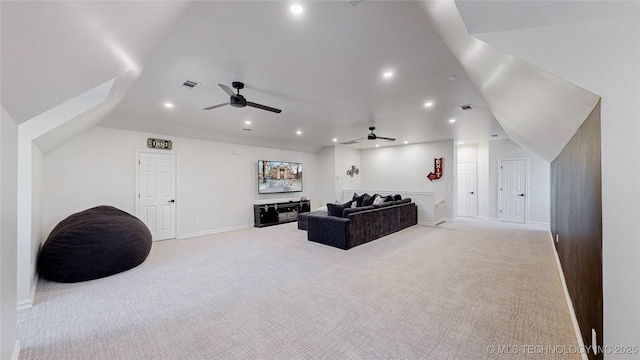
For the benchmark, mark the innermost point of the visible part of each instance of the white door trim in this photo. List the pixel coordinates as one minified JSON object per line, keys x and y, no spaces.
{"x":526,"y":187}
{"x":137,"y":182}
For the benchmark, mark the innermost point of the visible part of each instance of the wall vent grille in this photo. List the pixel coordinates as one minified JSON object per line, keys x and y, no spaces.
{"x":466,"y":107}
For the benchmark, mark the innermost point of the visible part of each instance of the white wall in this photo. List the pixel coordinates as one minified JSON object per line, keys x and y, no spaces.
{"x":37,"y":181}
{"x":346,"y":157}
{"x":406,"y":168}
{"x":602,"y":56}
{"x":468,"y":153}
{"x":539,"y":183}
{"x":216,"y":187}
{"x":8,"y":233}
{"x":487,"y":155}
{"x":483,"y":180}
{"x":326,"y":177}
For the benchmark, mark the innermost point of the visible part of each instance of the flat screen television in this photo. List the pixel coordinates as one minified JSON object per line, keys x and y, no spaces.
{"x":279,"y":177}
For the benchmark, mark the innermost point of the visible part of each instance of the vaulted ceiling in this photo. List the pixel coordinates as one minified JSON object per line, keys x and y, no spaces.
{"x":324,"y":68}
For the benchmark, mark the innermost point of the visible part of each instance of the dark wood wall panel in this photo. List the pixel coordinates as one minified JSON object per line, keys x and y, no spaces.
{"x":576,"y":216}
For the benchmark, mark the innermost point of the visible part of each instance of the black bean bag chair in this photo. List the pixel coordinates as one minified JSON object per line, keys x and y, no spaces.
{"x":92,"y":244}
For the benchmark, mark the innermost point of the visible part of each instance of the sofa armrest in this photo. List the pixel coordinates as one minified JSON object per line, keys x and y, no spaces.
{"x":328,"y":230}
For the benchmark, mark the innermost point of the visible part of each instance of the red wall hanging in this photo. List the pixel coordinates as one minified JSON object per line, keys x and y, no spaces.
{"x":437,"y":170}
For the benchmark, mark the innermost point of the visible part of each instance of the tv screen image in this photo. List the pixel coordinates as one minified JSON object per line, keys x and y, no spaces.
{"x":279,"y":177}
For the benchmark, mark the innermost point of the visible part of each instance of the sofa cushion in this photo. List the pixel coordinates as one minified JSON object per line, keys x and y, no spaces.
{"x":347,"y":211}
{"x":403,"y":201}
{"x":384,"y":204}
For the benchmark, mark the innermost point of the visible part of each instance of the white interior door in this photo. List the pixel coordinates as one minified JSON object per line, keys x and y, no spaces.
{"x":467,"y":192}
{"x":157,"y":193}
{"x":513,"y":190}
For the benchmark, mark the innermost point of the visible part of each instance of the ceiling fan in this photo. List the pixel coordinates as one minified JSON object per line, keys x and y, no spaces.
{"x":238,"y":100}
{"x":370,"y":136}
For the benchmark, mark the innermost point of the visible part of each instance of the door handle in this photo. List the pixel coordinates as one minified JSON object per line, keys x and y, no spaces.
{"x":520,"y":194}
{"x":171,"y":201}
{"x":471,"y":192}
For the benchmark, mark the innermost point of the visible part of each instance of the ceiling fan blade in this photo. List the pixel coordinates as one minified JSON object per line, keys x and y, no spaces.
{"x":227,"y":89}
{"x":385,"y":138}
{"x":350,"y":142}
{"x":215,"y":106}
{"x":263,"y":107}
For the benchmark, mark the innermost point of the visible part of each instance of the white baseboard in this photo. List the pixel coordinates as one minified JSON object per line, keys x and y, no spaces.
{"x":427,"y":223}
{"x":541,"y":225}
{"x":487,"y":218}
{"x":24,"y":304}
{"x":27,"y":303}
{"x":574,"y":319}
{"x":210,"y":232}
{"x":16,"y":350}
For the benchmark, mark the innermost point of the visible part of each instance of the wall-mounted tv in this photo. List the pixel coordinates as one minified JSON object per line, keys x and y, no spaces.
{"x":279,"y":177}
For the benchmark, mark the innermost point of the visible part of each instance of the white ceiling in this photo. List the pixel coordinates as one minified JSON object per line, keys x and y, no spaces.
{"x":492,"y":16}
{"x":322,"y":68}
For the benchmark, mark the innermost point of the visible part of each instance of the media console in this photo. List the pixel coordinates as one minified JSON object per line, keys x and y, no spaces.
{"x":279,"y":213}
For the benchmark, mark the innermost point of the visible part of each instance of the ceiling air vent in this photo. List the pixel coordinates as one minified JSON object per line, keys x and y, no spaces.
{"x":354,"y":2}
{"x":190,"y":84}
{"x":466,"y":107}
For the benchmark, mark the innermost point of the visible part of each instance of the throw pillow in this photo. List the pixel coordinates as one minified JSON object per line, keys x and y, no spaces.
{"x":354,"y":204}
{"x":368,"y":199}
{"x":359,"y":199}
{"x":397,"y":197}
{"x":334,"y":209}
{"x":378,"y":200}
{"x":388,"y":198}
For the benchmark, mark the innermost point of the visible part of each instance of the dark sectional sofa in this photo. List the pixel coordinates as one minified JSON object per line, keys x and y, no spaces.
{"x":359,"y":225}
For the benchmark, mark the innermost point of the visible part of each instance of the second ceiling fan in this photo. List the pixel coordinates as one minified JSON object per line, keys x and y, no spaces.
{"x":370,"y":136}
{"x":237,"y":100}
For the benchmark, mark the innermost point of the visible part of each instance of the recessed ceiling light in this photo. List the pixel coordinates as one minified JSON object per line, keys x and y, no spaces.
{"x":461,"y":142}
{"x":377,"y":145}
{"x":406,"y":142}
{"x":451,"y":77}
{"x":247,"y":122}
{"x":168,"y":105}
{"x":299,"y":132}
{"x":296,"y":9}
{"x":452,"y":120}
{"x":428,"y":104}
{"x":335,"y":140}
{"x":387,"y":74}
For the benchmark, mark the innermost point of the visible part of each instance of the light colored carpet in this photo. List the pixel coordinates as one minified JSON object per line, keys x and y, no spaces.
{"x":424,"y":293}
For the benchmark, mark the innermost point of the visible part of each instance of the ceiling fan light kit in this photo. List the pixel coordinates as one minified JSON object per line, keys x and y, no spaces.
{"x":237,"y":100}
